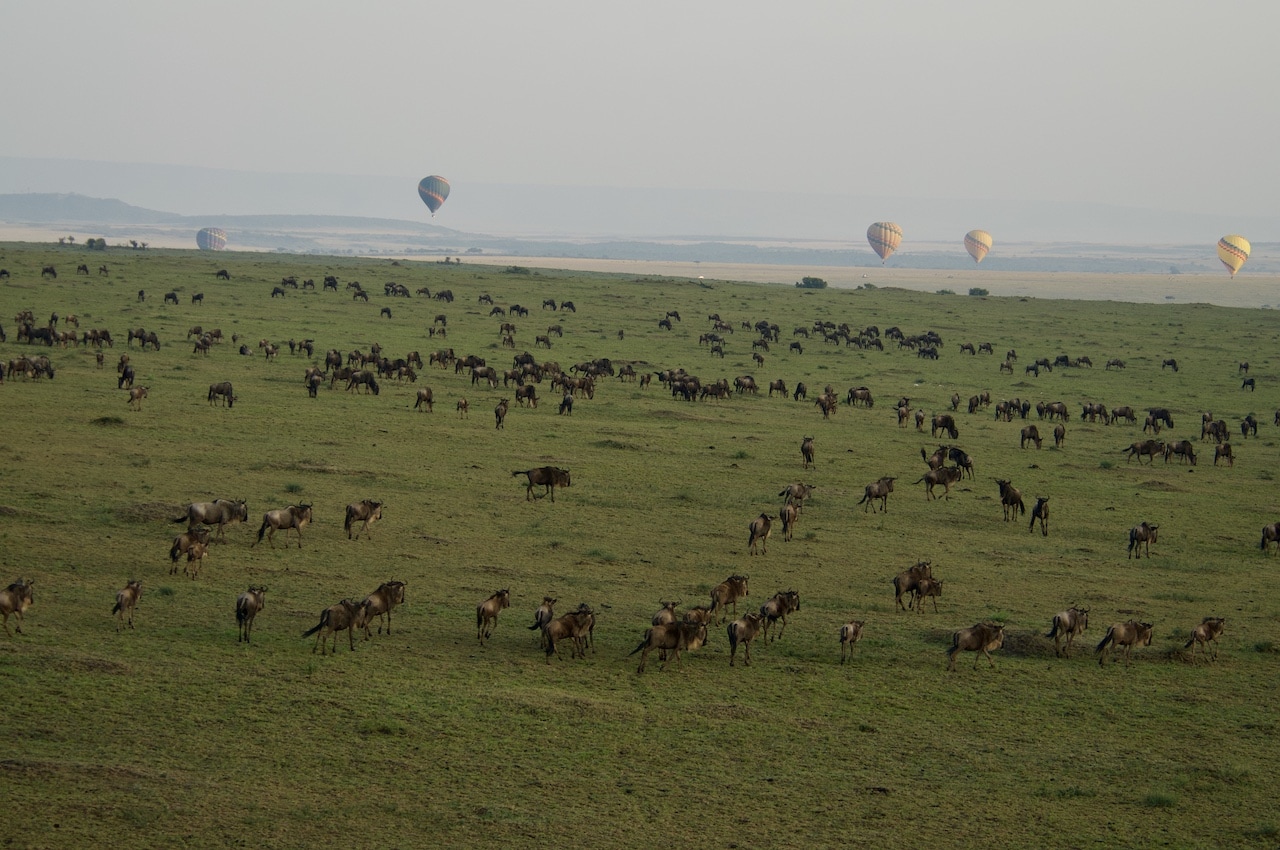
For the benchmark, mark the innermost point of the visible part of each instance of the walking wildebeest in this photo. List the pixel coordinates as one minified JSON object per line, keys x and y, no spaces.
{"x":980,"y":637}
{"x":1224,"y":452}
{"x":789,"y":514}
{"x":908,"y":580}
{"x":366,"y":512}
{"x":295,"y":517}
{"x":136,"y":395}
{"x":1183,"y":449}
{"x":806,"y":452}
{"x":927,"y":588}
{"x":183,"y":542}
{"x":248,"y":604}
{"x":743,"y":631}
{"x":544,"y":614}
{"x":1204,"y":637}
{"x":946,"y":476}
{"x":500,"y":415}
{"x":1010,"y":500}
{"x":1141,"y":536}
{"x":850,"y":634}
{"x":1059,"y":434}
{"x":219,"y":513}
{"x":781,"y":604}
{"x":380,"y":603}
{"x":878,"y":490}
{"x":796,"y":493}
{"x":1271,"y":534}
{"x":575,"y":626}
{"x":487,"y":613}
{"x":759,"y":528}
{"x":221,"y":391}
{"x":1068,"y":624}
{"x":669,"y":639}
{"x":343,"y":616}
{"x":543,"y":476}
{"x":425,"y":398}
{"x":1125,"y":635}
{"x":1144,"y":448}
{"x":126,"y":602}
{"x":15,"y":599}
{"x":1040,"y":512}
{"x":727,"y":593}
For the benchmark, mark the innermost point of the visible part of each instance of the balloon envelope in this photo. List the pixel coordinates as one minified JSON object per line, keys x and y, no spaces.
{"x":211,"y":239}
{"x":977,"y":243}
{"x":885,"y":237}
{"x":433,"y":191}
{"x":1233,"y":250}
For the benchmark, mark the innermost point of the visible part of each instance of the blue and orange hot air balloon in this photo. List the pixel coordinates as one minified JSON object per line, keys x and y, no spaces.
{"x":885,"y":237}
{"x":211,"y":239}
{"x":1233,"y":250}
{"x":433,"y":191}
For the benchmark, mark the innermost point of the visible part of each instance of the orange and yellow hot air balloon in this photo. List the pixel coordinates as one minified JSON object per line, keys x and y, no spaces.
{"x":433,"y":190}
{"x":977,"y":243}
{"x":885,"y":237}
{"x":1233,"y":250}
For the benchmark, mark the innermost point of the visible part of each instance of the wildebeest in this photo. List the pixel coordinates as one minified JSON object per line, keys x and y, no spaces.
{"x":908,"y":580}
{"x":777,"y":608}
{"x":789,"y":514}
{"x":880,"y":489}
{"x":544,"y":614}
{"x":1183,"y":449}
{"x":1248,"y":426}
{"x":980,"y":637}
{"x":295,"y":517}
{"x":575,"y":626}
{"x":944,"y":422}
{"x":1171,"y":363}
{"x":1059,"y":434}
{"x":743,"y":631}
{"x":15,"y":599}
{"x":945,"y":475}
{"x":1068,"y":624}
{"x":1248,"y":382}
{"x":927,"y":588}
{"x":850,"y":634}
{"x":126,"y":378}
{"x":566,"y":404}
{"x":1127,"y":635}
{"x":222,"y":274}
{"x":183,"y":542}
{"x":136,"y":395}
{"x":1040,"y":512}
{"x":1010,"y":500}
{"x":49,"y":271}
{"x":500,"y":415}
{"x":796,"y":493}
{"x":1144,"y":448}
{"x":669,"y":639}
{"x":126,"y":602}
{"x":1030,"y":434}
{"x":1271,"y":534}
{"x":366,"y":512}
{"x":727,"y":593}
{"x":219,"y":513}
{"x":380,"y":604}
{"x":1141,"y":536}
{"x":1204,"y":637}
{"x":222,"y":391}
{"x":759,"y":528}
{"x":666,"y":614}
{"x":248,"y":604}
{"x":806,"y":452}
{"x":343,"y":616}
{"x":487,"y":613}
{"x":1224,"y":452}
{"x":544,"y":476}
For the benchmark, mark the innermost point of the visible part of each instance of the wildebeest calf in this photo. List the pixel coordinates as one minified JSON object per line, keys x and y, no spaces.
{"x":981,"y":637}
{"x":248,"y":604}
{"x":1068,"y":624}
{"x":1124,"y":635}
{"x":850,"y":634}
{"x":126,"y":602}
{"x":1204,"y":636}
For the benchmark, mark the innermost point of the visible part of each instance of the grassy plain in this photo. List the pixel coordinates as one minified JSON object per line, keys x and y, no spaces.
{"x":174,"y":733}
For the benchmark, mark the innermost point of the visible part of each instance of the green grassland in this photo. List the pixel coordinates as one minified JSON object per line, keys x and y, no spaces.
{"x":175,"y":733}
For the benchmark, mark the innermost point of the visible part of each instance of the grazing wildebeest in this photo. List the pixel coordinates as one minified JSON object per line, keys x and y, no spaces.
{"x":850,"y":634}
{"x":15,"y":599}
{"x":126,"y":602}
{"x":1171,"y":363}
{"x":49,"y":271}
{"x":344,"y":616}
{"x":778,"y":385}
{"x":1204,"y":637}
{"x":222,"y":391}
{"x":527,"y":394}
{"x":908,"y":580}
{"x":1141,"y":536}
{"x":1040,"y":512}
{"x":802,"y":392}
{"x":743,"y":631}
{"x":1127,"y":635}
{"x":727,"y":593}
{"x":759,"y":528}
{"x":945,"y":475}
{"x":183,"y":543}
{"x":1224,"y":451}
{"x":789,"y":514}
{"x":500,"y":414}
{"x":1161,"y":414}
{"x":1010,"y":500}
{"x":197,"y":298}
{"x":248,"y":604}
{"x":1249,"y":425}
{"x":366,"y":512}
{"x":1030,"y":434}
{"x":544,"y":476}
{"x":381,"y":603}
{"x":487,"y":613}
{"x":1248,"y":382}
{"x":927,"y":588}
{"x":222,"y":274}
{"x":136,"y":395}
{"x":544,"y":614}
{"x":576,"y":626}
{"x":980,"y":637}
{"x":295,"y":517}
{"x":669,"y":639}
{"x":566,"y":404}
{"x":1068,"y":624}
{"x":1144,"y":448}
{"x":1271,"y":534}
{"x":1059,"y":434}
{"x":172,"y":297}
{"x":860,"y":395}
{"x":880,"y":489}
{"x":806,"y":452}
{"x":219,"y":513}
{"x":125,"y":380}
{"x":944,"y":422}
{"x":1183,"y":449}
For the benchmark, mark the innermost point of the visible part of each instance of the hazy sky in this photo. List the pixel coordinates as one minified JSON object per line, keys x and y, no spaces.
{"x":1150,"y":103}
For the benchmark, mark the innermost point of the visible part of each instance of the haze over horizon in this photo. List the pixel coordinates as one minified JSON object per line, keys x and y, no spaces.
{"x":717,"y":118}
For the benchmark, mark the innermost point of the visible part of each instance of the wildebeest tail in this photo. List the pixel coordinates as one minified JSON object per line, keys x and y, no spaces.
{"x":639,"y":646}
{"x":116,"y":608}
{"x":324,"y":618}
{"x":181,"y":519}
{"x":1054,"y":631}
{"x":1187,"y":645}
{"x":1106,"y":640}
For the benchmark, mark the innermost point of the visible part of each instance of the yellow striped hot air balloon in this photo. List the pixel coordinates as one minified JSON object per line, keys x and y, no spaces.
{"x":885,"y":237}
{"x":1233,"y":250}
{"x":977,"y":243}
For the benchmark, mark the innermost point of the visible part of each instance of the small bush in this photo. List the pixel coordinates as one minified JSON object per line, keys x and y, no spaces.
{"x":948,"y":292}
{"x":811,"y":283}
{"x":978,"y":291}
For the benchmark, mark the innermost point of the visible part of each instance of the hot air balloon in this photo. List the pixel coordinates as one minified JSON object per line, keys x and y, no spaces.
{"x":1233,"y":250}
{"x":977,"y":243}
{"x":885,"y":237}
{"x":211,"y":239}
{"x":433,"y":190}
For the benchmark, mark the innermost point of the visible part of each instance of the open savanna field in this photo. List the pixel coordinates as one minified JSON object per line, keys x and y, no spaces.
{"x":174,"y":733}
